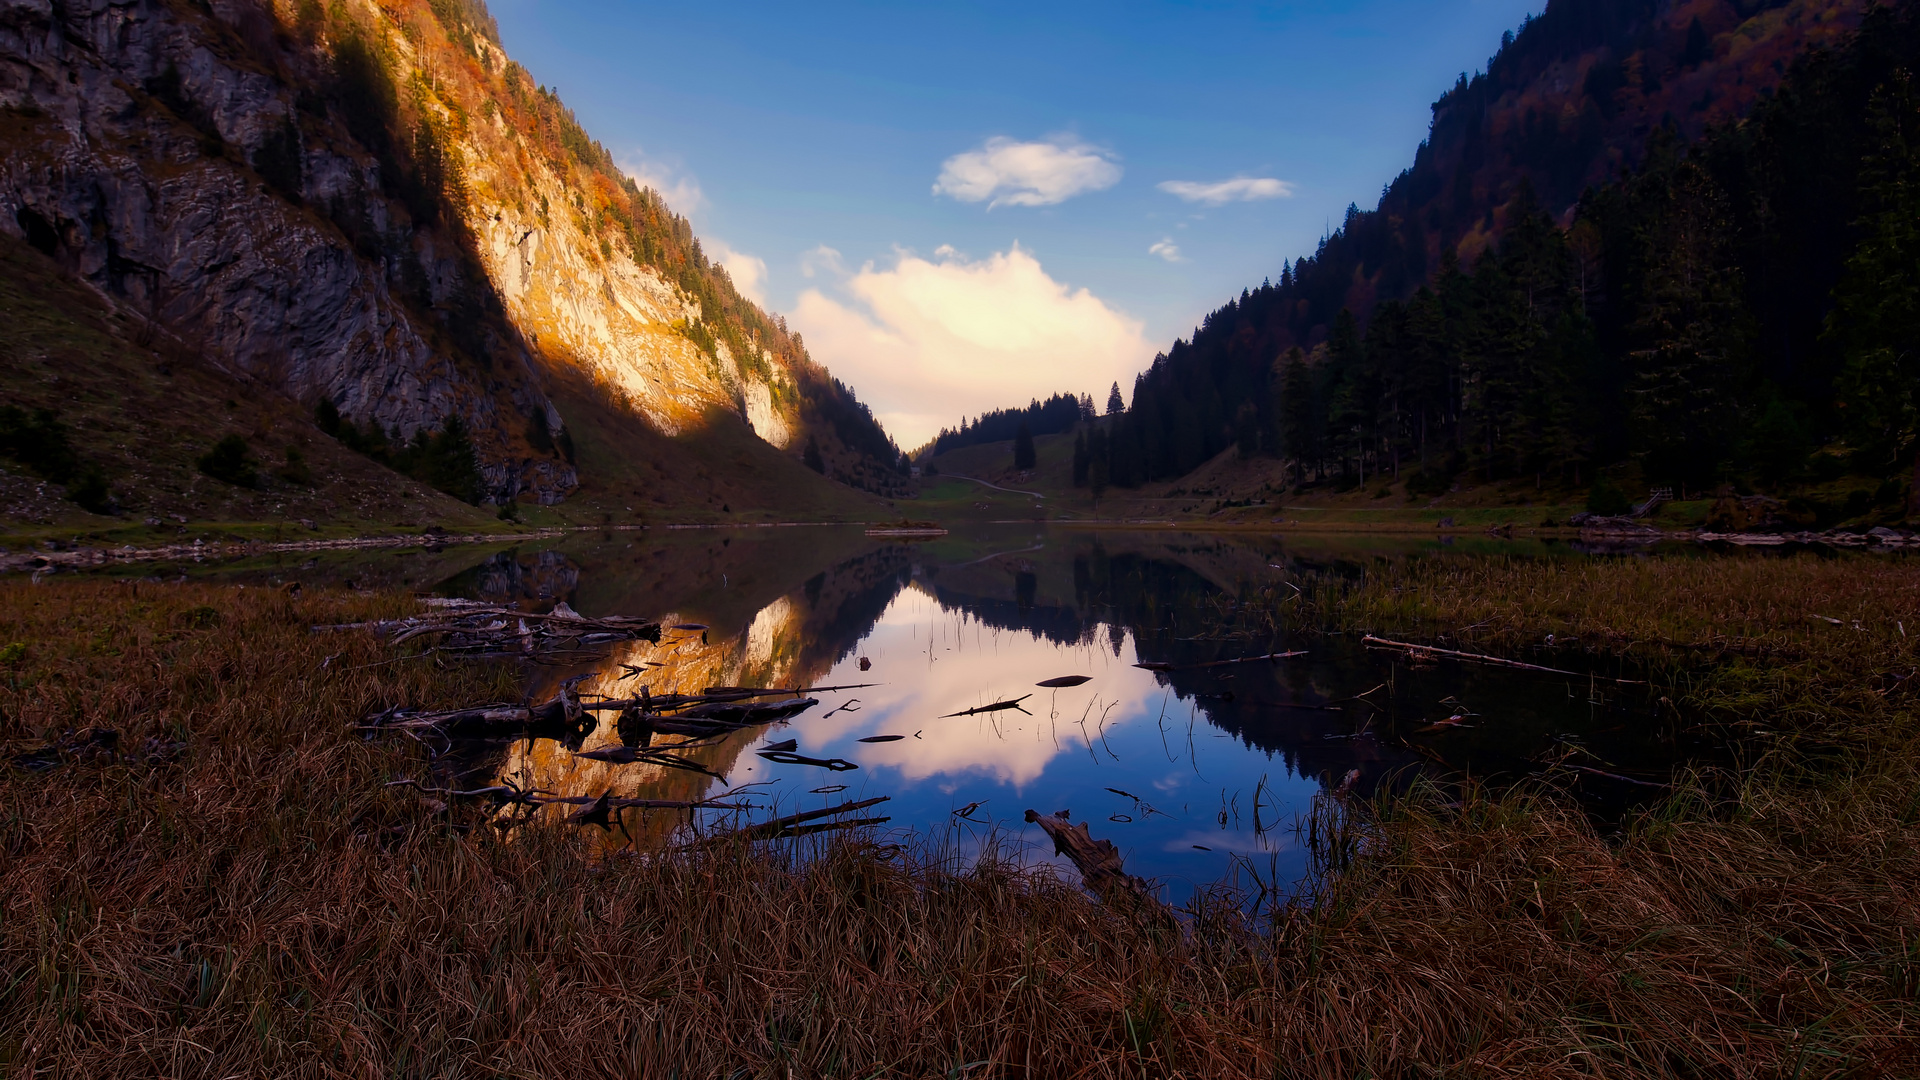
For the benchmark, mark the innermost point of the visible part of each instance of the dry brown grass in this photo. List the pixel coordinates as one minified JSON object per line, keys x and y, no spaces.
{"x":260,"y":905}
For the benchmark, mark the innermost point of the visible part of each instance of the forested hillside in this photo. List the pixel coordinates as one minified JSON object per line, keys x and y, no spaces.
{"x":1567,"y":103}
{"x":1738,"y":308}
{"x":1057,"y":414}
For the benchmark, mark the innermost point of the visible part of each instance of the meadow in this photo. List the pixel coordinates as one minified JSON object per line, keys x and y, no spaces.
{"x":227,"y":886}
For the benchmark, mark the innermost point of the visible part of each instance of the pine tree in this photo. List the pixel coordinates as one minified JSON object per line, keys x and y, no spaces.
{"x":1875,"y":323}
{"x":1023,"y":456}
{"x":1099,"y":462}
{"x":1115,"y":403}
{"x":1080,"y":458}
{"x":1297,"y":413}
{"x":447,"y":461}
{"x":1349,"y":396}
{"x":1692,"y":338}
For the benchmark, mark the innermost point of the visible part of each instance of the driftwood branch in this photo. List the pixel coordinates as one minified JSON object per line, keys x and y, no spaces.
{"x":1494,"y":661}
{"x":1097,"y":860}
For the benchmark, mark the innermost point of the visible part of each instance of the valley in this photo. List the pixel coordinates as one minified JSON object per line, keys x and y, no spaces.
{"x":502,"y":584}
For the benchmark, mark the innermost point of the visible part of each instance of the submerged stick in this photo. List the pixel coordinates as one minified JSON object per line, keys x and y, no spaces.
{"x":998,"y":706}
{"x":1252,"y":659}
{"x":1162,"y":665}
{"x":782,"y":826}
{"x":1494,"y":661}
{"x":1617,"y":776}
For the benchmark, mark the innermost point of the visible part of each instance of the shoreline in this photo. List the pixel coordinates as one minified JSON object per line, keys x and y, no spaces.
{"x":81,"y":557}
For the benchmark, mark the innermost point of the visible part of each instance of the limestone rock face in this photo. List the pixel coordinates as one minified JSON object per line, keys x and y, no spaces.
{"x":206,"y":167}
{"x":163,"y":215}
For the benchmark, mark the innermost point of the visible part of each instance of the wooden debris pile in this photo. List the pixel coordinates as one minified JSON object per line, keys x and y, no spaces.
{"x":641,"y":717}
{"x":472,"y":629}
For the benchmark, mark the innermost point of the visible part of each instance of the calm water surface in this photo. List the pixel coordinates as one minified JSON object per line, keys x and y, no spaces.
{"x":1187,"y":771}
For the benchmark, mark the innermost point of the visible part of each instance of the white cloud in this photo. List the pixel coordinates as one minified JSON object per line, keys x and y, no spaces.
{"x":749,"y":272}
{"x":929,"y":341}
{"x":1042,"y":173}
{"x":1219,"y":193}
{"x":1167,"y":250}
{"x":674,"y":183}
{"x":822,"y":258}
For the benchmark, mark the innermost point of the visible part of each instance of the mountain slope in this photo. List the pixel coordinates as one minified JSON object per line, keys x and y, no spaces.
{"x":1675,"y":328}
{"x":370,"y":205}
{"x":1565,"y":104}
{"x":143,"y":420}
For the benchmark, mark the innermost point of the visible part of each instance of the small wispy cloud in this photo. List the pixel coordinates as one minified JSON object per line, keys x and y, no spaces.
{"x":671,"y":180}
{"x":1014,"y":173}
{"x":749,"y":272}
{"x":1167,"y":250}
{"x":819,"y":259}
{"x":1221,"y":192}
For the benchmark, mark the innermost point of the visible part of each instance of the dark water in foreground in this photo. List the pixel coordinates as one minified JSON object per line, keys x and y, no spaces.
{"x":1188,"y":771}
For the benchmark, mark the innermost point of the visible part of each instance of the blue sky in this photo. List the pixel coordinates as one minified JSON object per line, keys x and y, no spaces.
{"x":965,"y":206}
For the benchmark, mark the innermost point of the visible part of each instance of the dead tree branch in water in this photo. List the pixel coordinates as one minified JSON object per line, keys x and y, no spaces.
{"x":1417,"y":651}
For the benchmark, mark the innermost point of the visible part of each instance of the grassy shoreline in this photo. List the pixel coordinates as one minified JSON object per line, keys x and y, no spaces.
{"x":233,"y":891}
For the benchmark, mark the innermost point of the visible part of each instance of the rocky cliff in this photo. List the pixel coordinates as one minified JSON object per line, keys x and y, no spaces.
{"x":370,"y":204}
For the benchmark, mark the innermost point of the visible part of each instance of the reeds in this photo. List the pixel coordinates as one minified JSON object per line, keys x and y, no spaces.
{"x":258,"y":902}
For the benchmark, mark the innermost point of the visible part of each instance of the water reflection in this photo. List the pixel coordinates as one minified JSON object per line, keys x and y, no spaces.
{"x":1185,"y":769}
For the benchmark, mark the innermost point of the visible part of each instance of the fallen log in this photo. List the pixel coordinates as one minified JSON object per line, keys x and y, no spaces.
{"x":1097,"y":860}
{"x":1493,"y":661}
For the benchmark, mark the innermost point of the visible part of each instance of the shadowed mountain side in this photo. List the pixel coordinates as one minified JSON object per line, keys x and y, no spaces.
{"x":368,"y":209}
{"x":140,"y":409}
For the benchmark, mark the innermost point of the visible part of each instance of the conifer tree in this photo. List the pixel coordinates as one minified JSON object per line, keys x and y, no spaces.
{"x":1296,"y":413}
{"x":1875,"y":323}
{"x":1099,"y":462}
{"x":1690,"y":334}
{"x":1023,"y":456}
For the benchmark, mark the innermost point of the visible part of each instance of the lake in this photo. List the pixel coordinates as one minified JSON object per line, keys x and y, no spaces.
{"x":1195,"y":766}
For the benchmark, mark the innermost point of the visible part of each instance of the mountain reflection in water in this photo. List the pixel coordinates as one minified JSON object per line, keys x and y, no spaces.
{"x":1184,"y":770}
